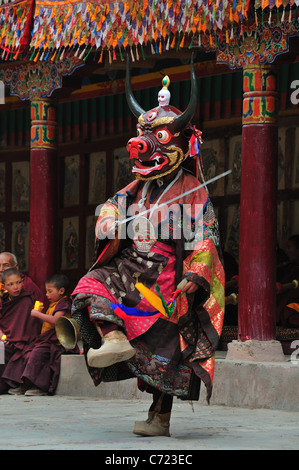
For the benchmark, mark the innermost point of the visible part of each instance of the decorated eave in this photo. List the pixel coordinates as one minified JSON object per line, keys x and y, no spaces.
{"x":238,"y":30}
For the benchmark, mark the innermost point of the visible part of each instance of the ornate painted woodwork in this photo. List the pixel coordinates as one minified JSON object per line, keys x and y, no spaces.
{"x":260,"y":95}
{"x":43,"y":124}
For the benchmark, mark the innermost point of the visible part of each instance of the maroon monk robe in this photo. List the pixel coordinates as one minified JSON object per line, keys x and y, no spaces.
{"x":40,"y":362}
{"x":29,"y":285}
{"x":19,"y":327}
{"x":286,"y":316}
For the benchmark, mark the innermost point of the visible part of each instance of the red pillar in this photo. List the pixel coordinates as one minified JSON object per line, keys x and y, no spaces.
{"x":43,"y":189}
{"x":258,"y":208}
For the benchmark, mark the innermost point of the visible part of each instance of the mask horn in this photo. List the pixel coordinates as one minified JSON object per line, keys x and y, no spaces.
{"x":133,"y":105}
{"x":183,"y":119}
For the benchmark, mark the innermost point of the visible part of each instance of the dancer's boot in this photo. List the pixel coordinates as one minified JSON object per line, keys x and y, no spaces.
{"x":156,"y":425}
{"x":115,"y":348}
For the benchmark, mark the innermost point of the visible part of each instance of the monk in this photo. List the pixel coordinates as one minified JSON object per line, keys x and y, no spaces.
{"x":9,"y":260}
{"x":18,"y":326}
{"x":36,"y":371}
{"x":287,"y":313}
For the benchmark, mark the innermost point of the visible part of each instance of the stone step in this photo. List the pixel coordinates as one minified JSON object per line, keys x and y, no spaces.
{"x":272,"y":385}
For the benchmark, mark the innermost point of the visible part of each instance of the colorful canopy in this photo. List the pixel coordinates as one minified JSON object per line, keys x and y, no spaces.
{"x":45,"y":29}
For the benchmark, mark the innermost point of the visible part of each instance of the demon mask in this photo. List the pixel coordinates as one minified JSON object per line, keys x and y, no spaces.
{"x":163,"y":133}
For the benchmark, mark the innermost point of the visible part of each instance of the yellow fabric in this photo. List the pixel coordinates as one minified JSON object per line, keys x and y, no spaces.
{"x":46,"y":325}
{"x":151,"y":297}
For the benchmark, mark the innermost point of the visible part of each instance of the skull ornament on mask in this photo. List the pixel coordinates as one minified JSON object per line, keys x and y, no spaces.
{"x":163,"y":134}
{"x":164,"y":93}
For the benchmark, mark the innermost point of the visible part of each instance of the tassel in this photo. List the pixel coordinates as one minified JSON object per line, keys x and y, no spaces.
{"x":136,"y":52}
{"x":152,"y":49}
{"x":196,"y":175}
{"x":53,"y":56}
{"x":90,"y":49}
{"x":132,"y":55}
{"x":109,"y":55}
{"x":290,"y":15}
{"x":69,"y":52}
{"x":167,"y":43}
{"x":16,"y":55}
{"x":142,"y":52}
{"x":114,"y":55}
{"x":182,"y":41}
{"x":31,"y":57}
{"x":36,"y":57}
{"x":26,"y":56}
{"x":101,"y":57}
{"x":191,"y":43}
{"x":270,"y":17}
{"x":121,"y":56}
{"x":57,"y":55}
{"x":283,"y":15}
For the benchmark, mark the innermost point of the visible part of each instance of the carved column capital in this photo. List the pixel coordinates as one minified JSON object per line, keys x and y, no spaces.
{"x":30,"y":81}
{"x":260,"y":95}
{"x":43,"y":124}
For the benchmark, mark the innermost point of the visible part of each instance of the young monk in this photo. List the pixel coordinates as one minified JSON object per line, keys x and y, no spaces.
{"x":16,"y":322}
{"x":9,"y":260}
{"x":41,"y":363}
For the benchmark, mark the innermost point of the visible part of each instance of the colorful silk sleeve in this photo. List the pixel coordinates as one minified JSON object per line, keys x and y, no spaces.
{"x":107,"y":235}
{"x":203,"y":267}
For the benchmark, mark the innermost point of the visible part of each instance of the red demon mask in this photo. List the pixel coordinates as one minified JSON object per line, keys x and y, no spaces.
{"x":163,"y":134}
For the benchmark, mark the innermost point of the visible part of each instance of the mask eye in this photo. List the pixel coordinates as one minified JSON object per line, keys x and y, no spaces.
{"x":152,"y":115}
{"x":163,"y":136}
{"x":139,"y":132}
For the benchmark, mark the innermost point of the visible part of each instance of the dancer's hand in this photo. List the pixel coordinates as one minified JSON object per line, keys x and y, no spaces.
{"x":190,"y":287}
